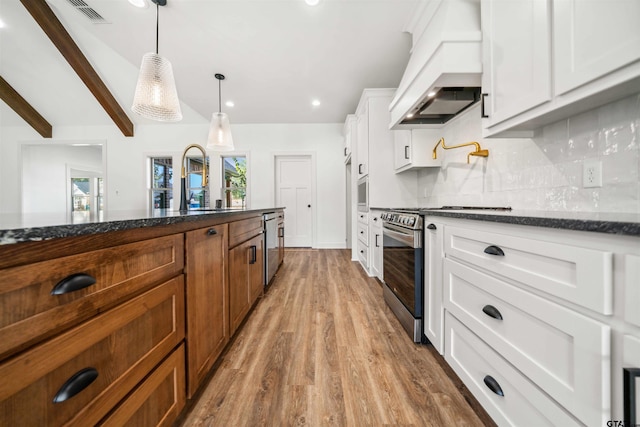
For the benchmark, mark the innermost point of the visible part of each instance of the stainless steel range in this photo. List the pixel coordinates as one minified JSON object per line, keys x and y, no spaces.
{"x":403,"y":265}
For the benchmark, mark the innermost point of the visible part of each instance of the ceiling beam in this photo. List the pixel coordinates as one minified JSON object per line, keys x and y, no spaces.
{"x":54,"y":29}
{"x":18,"y":104}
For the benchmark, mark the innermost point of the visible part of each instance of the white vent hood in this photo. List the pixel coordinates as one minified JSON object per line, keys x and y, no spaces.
{"x":446,"y":59}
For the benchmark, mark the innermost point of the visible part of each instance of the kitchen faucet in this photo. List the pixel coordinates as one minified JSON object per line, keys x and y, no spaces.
{"x":479,"y":152}
{"x":183,"y":176}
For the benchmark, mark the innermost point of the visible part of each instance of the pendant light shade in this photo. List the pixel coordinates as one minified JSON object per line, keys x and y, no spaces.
{"x":156,"y":97}
{"x":220,"y":138}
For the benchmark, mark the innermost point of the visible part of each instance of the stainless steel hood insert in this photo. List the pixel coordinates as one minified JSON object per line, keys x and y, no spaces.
{"x":443,"y":106}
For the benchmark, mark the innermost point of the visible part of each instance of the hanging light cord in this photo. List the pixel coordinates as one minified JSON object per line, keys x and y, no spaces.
{"x":157,"y":25}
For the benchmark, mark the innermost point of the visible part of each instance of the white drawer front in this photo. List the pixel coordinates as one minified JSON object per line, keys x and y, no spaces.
{"x":582,"y":276}
{"x":563,"y":352}
{"x":363,"y":217}
{"x":363,"y":255}
{"x":522,"y":403}
{"x":363,"y":233}
{"x":632,"y":290}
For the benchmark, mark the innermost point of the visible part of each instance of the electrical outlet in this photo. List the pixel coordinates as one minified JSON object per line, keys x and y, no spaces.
{"x":591,"y":173}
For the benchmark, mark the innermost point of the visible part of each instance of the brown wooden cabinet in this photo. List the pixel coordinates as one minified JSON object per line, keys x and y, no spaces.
{"x":246,"y":268}
{"x":77,"y":377}
{"x":207,"y":301}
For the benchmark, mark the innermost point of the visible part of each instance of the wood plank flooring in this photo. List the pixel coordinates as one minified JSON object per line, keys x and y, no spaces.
{"x":322,"y":349}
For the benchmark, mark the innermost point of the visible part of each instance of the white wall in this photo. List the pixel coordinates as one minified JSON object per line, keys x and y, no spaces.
{"x":544,"y":172}
{"x":127,"y":179}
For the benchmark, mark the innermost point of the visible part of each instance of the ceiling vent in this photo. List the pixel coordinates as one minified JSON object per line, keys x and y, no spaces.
{"x":88,"y":11}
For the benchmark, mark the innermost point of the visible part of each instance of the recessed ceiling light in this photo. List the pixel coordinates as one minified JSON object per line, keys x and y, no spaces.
{"x":230,"y":104}
{"x":139,"y":3}
{"x":312,"y":2}
{"x":315,"y":102}
{"x":2,"y":24}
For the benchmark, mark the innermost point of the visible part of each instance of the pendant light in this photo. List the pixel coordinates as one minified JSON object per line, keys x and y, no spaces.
{"x":219,"y":138}
{"x":156,"y":97}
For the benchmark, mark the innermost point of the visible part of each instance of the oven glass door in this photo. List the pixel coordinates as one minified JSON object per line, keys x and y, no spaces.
{"x":402,"y":267}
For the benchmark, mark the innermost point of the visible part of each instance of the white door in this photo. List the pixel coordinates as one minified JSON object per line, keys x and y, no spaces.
{"x":294,"y":192}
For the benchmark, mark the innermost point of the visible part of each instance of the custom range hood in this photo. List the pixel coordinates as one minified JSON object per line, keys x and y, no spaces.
{"x":443,"y":76}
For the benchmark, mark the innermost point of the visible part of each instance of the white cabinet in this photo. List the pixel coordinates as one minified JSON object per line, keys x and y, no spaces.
{"x":375,"y":243}
{"x":516,"y":55}
{"x":547,"y":60}
{"x":362,"y":138}
{"x":414,"y":149}
{"x":349,"y":133}
{"x":433,"y":318}
{"x":363,"y":240}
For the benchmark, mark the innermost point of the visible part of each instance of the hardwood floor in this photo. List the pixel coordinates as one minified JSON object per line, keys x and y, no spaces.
{"x":322,"y":348}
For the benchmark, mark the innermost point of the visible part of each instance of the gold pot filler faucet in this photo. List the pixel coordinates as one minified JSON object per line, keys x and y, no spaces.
{"x":479,"y":152}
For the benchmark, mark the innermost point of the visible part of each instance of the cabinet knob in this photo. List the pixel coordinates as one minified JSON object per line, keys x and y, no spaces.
{"x":491,"y":311}
{"x":73,"y":283}
{"x":493,"y":250}
{"x":74,"y":385}
{"x":493,"y":385}
{"x":432,"y":227}
{"x":211,"y":231}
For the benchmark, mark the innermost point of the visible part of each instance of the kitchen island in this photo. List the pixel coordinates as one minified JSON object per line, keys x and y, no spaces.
{"x":119,"y":319}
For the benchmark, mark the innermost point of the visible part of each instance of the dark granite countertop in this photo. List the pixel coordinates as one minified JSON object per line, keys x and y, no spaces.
{"x":17,"y":228}
{"x":601,"y":222}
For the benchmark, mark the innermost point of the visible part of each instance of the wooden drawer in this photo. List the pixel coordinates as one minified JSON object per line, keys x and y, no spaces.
{"x":363,"y":254}
{"x":29,"y":312}
{"x":522,"y":403}
{"x":566,"y":354}
{"x":241,"y":231}
{"x":579,"y":275}
{"x":363,"y":233}
{"x":158,"y":400}
{"x":123,"y":345}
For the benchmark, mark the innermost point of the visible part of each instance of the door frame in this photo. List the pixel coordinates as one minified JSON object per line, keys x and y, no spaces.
{"x":314,"y":200}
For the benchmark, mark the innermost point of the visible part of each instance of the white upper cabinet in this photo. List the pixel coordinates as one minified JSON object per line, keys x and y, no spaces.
{"x":516,"y":54}
{"x":414,"y":149}
{"x":592,"y":39}
{"x":547,"y":60}
{"x":362,"y":138}
{"x":349,"y":135}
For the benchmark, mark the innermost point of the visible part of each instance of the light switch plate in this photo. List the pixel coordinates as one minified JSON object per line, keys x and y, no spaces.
{"x":591,"y":173}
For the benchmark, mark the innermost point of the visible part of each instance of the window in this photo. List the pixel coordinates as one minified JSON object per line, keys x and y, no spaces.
{"x":234,"y":178}
{"x":198,"y":197}
{"x":162,"y":183}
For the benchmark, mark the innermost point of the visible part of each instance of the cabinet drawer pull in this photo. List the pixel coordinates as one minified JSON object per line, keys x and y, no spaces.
{"x":74,"y":385}
{"x":360,"y":169}
{"x":432,"y":227}
{"x":253,"y":255}
{"x":491,"y":311}
{"x":406,"y":152}
{"x":493,"y":385}
{"x":281,"y":232}
{"x":377,"y":245}
{"x":73,"y":283}
{"x":211,"y":231}
{"x":493,"y":250}
{"x":345,"y":151}
{"x":483,"y":113}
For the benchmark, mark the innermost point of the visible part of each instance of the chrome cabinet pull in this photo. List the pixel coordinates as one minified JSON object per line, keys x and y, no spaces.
{"x":491,"y":311}
{"x":432,"y":227}
{"x":493,"y":385}
{"x":73,"y":283}
{"x":211,"y":231}
{"x":74,"y":385}
{"x":493,"y":250}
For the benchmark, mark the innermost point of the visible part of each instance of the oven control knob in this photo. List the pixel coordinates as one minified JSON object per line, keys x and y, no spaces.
{"x":412,"y":221}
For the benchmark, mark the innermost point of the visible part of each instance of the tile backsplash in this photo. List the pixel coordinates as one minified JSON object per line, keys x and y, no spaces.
{"x":544,"y":172}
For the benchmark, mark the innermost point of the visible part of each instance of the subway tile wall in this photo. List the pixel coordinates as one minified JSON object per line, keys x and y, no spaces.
{"x":544,"y":172}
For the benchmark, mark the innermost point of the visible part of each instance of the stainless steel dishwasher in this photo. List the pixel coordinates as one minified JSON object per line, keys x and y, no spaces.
{"x":270,"y":246}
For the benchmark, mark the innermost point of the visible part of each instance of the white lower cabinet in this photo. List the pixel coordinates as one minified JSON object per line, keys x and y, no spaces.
{"x":503,"y":391}
{"x":433,"y":317}
{"x":376,"y":244}
{"x":363,"y":240}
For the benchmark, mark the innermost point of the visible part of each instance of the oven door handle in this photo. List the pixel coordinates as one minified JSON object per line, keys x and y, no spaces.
{"x":407,"y":239}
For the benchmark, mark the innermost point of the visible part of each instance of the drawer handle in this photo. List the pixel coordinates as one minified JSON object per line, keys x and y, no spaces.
{"x":377,"y":245}
{"x":491,"y":311}
{"x":281,"y":232}
{"x":73,"y":283}
{"x":74,"y":385}
{"x":253,"y":255}
{"x":211,"y":231}
{"x":493,"y":250}
{"x":493,"y":385}
{"x":432,"y":227}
